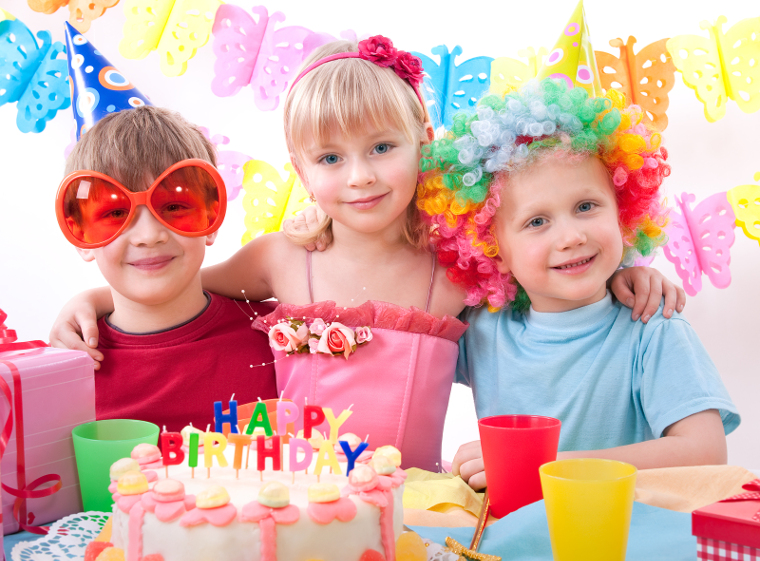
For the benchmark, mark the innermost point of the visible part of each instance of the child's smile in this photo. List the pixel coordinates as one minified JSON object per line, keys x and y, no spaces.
{"x":558,"y":233}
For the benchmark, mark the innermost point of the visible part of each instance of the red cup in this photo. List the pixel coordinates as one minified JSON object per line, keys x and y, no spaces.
{"x":514,"y":447}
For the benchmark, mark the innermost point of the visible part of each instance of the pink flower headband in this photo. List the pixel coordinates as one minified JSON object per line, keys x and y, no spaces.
{"x":380,"y":50}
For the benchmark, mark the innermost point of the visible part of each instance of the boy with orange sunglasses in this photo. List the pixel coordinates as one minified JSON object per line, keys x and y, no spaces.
{"x":143,"y":199}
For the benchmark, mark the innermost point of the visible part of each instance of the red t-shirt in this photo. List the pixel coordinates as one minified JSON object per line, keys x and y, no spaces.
{"x":173,"y":377}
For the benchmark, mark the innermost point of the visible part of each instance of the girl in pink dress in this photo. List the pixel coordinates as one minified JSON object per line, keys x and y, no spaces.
{"x":355,"y":123}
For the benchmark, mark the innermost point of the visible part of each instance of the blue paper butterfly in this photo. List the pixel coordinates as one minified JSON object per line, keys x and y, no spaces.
{"x":32,"y":75}
{"x":453,"y":87}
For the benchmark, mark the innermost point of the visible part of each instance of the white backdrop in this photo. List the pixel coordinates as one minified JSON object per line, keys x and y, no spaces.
{"x":39,"y":270}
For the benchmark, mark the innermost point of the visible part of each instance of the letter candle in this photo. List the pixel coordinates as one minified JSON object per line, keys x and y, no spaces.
{"x":171,"y":450}
{"x":313,"y":416}
{"x":221,"y":418}
{"x":240,"y":441}
{"x":326,"y":456}
{"x":335,"y":423}
{"x":260,"y":418}
{"x":300,"y":445}
{"x":263,"y":452}
{"x":287,"y":412}
{"x":192,"y":459}
{"x":209,"y":450}
{"x":352,"y":455}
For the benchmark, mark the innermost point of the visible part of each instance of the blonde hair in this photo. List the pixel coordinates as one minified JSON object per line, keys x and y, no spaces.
{"x":352,"y":95}
{"x":134,"y":144}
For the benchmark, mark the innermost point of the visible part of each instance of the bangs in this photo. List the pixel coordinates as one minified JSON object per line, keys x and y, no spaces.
{"x":352,"y":96}
{"x":134,"y":145}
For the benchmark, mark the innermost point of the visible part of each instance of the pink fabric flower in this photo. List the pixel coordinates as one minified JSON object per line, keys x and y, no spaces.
{"x":409,"y":67}
{"x":337,"y":339}
{"x":318,"y":327}
{"x":363,"y":335}
{"x":282,"y":337}
{"x":378,"y":49}
{"x":313,"y":346}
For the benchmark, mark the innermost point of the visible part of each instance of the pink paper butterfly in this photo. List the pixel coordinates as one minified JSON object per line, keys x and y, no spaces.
{"x":228,"y":162}
{"x":700,"y":241}
{"x":252,"y":52}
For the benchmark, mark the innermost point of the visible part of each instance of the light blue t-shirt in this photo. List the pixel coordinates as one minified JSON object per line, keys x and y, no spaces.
{"x":610,"y":380}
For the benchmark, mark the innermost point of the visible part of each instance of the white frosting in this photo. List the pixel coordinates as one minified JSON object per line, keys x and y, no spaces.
{"x":239,"y":541}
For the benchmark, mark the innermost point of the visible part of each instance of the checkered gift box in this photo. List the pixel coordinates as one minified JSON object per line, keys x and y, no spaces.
{"x":716,"y":550}
{"x":729,"y":530}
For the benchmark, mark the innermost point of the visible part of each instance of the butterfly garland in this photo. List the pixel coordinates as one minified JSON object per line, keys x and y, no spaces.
{"x":252,"y":52}
{"x":450,"y":87}
{"x":32,"y":75}
{"x":721,"y":67}
{"x":174,"y":28}
{"x":508,"y":74}
{"x":645,"y":78}
{"x":82,"y":12}
{"x":229,"y":163}
{"x":700,"y":238}
{"x":269,"y":199}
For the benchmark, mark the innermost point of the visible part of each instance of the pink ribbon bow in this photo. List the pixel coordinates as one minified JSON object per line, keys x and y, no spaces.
{"x":753,"y":494}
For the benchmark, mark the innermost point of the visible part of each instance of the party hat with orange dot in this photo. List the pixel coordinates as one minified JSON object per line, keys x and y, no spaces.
{"x":572,"y":58}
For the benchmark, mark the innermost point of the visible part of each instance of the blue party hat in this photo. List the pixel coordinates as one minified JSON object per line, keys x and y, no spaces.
{"x":97,"y":88}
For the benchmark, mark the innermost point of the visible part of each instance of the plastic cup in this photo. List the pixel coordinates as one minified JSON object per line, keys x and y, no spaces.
{"x":99,"y":444}
{"x":588,"y":507}
{"x":514,"y":446}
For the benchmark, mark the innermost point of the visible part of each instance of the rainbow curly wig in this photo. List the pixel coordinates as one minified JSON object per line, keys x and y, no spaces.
{"x":462,"y":175}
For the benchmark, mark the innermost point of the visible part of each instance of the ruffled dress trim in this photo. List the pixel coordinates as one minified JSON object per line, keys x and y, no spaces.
{"x":377,"y":315}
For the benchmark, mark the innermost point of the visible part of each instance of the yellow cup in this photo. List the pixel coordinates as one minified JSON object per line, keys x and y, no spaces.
{"x":588,"y":507}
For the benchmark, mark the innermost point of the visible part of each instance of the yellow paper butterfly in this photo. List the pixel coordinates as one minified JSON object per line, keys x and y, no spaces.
{"x":268,"y":199}
{"x":82,"y":12}
{"x":645,"y":78}
{"x":508,"y":74}
{"x":174,"y":28}
{"x":745,"y":199}
{"x":721,"y":67}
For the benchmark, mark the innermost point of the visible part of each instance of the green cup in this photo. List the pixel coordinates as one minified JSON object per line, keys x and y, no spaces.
{"x":99,"y":444}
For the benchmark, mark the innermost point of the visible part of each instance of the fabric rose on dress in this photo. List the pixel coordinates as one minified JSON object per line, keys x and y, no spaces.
{"x":318,"y":327}
{"x":378,"y":49}
{"x":363,"y":335}
{"x":282,"y":337}
{"x":409,"y":67}
{"x":337,"y":339}
{"x":313,"y":345}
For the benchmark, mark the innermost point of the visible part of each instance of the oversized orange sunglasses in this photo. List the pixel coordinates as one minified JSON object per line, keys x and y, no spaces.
{"x":93,"y":209}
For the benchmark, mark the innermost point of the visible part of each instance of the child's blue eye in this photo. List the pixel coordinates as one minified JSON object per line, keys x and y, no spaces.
{"x":536,"y":223}
{"x":382,"y":148}
{"x":585,"y":207}
{"x":330,"y":159}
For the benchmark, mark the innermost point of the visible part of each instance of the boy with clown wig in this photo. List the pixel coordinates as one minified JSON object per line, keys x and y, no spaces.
{"x":536,"y":199}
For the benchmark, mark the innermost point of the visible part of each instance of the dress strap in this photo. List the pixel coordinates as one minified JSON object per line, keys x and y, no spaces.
{"x":430,"y":288}
{"x":309,"y":276}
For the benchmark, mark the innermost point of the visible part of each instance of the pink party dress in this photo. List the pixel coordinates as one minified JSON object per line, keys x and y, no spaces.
{"x":397,"y":384}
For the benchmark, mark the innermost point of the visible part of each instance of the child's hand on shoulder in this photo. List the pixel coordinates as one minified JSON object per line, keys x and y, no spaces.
{"x":308,"y":221}
{"x":468,"y":464}
{"x":76,"y":327}
{"x":642,"y":288}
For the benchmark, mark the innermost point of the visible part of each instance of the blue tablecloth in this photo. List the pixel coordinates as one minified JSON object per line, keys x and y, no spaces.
{"x":656,"y":534}
{"x":12,"y":539}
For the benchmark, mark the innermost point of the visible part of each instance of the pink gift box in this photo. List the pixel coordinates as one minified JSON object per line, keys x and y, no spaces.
{"x":57,"y":394}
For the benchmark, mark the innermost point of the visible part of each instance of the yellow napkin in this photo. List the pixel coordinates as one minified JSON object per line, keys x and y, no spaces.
{"x":439,"y":492}
{"x":440,"y":499}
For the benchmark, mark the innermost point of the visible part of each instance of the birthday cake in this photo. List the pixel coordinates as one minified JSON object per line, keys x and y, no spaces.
{"x":256,"y":499}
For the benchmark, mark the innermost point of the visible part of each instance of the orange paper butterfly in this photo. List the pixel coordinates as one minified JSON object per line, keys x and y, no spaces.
{"x":645,"y":78}
{"x":83,"y":12}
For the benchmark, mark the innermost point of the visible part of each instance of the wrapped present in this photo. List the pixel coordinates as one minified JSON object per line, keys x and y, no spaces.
{"x":729,"y":529}
{"x":44,"y":393}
